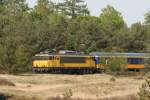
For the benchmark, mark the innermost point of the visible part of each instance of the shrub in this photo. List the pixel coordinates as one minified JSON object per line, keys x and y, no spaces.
{"x":14,"y":60}
{"x":112,"y":79}
{"x":67,"y":94}
{"x":116,"y":65}
{"x":147,"y":64}
{"x":144,"y":93}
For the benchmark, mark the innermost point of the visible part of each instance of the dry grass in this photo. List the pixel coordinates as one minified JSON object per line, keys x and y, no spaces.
{"x":5,"y":82}
{"x":6,"y":96}
{"x":72,"y":87}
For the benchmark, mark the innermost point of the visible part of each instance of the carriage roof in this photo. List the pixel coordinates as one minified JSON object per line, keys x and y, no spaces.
{"x":111,"y":54}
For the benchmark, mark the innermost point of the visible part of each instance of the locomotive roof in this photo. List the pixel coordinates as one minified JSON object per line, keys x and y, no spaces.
{"x":67,"y":55}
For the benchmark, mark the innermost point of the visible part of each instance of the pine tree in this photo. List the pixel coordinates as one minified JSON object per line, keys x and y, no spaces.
{"x":73,"y":8}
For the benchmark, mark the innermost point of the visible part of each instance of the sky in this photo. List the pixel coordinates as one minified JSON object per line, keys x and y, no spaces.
{"x":132,"y":10}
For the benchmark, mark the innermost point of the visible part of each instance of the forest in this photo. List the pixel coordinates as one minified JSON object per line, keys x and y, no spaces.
{"x":66,"y":25}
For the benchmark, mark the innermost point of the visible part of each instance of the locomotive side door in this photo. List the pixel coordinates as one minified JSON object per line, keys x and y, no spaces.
{"x":56,"y":61}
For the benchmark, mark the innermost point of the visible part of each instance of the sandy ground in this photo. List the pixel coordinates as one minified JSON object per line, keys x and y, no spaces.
{"x":91,"y":87}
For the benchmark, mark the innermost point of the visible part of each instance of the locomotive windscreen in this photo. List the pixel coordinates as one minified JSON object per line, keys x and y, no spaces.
{"x":72,"y":59}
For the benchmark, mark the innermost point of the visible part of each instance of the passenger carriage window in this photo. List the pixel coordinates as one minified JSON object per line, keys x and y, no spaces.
{"x":135,"y":60}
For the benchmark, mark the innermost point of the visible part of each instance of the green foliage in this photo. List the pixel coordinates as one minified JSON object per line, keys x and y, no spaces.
{"x":147,"y":64}
{"x":103,"y":60}
{"x":112,"y":79}
{"x":111,"y":20}
{"x":87,"y":33}
{"x":116,"y":65}
{"x":145,"y":89}
{"x":73,"y":8}
{"x":137,"y":37}
{"x":44,"y":7}
{"x":21,"y":59}
{"x":114,"y":27}
{"x":67,"y":94}
{"x":66,"y":25}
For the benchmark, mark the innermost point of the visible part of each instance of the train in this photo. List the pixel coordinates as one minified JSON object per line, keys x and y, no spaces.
{"x":73,"y":62}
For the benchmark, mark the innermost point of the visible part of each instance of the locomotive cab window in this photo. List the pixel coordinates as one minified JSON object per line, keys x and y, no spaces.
{"x":135,"y":60}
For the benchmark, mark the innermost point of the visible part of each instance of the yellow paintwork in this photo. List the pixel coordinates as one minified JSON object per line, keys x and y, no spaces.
{"x":42,"y":63}
{"x":101,"y":66}
{"x":128,"y":66}
{"x":88,"y":63}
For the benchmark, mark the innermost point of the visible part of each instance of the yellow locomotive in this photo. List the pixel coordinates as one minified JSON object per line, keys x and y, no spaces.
{"x":84,"y":63}
{"x":64,"y":63}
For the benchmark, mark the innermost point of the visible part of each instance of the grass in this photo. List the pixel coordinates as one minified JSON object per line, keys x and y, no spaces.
{"x":112,"y":79}
{"x":71,"y":87}
{"x":5,"y":82}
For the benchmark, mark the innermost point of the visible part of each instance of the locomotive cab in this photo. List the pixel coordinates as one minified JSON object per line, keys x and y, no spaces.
{"x":41,"y":62}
